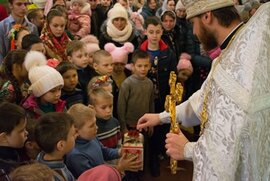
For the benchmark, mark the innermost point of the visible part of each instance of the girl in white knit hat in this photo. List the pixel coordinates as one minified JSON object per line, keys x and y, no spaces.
{"x":45,"y":89}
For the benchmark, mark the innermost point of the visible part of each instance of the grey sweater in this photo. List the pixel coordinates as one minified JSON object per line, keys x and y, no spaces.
{"x":135,"y":99}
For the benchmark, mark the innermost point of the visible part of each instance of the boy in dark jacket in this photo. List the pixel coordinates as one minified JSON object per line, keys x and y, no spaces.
{"x":163,"y":61}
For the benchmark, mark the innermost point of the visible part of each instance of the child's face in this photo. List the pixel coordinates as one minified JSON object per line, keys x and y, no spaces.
{"x":153,"y":34}
{"x":118,"y":68}
{"x":70,"y":141}
{"x":89,"y":130}
{"x":57,"y":25}
{"x":39,"y":19}
{"x":18,"y":135}
{"x":141,"y":67}
{"x":106,"y":3}
{"x":70,"y":79}
{"x":76,"y":7}
{"x":38,"y":47}
{"x":104,"y":67}
{"x":52,"y":96}
{"x":103,"y":108}
{"x":79,"y":58}
{"x":184,"y":74}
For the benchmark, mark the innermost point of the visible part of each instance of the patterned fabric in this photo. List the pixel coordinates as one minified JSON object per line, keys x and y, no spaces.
{"x":55,"y":47}
{"x":7,"y":92}
{"x":235,"y":144}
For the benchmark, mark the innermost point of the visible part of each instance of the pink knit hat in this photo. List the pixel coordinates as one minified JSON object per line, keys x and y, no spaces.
{"x":119,"y":54}
{"x":100,"y":173}
{"x":184,"y":64}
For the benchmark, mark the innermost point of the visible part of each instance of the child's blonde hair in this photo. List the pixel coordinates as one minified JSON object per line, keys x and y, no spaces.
{"x":80,"y":113}
{"x":98,"y":82}
{"x":99,"y":93}
{"x":32,"y":172}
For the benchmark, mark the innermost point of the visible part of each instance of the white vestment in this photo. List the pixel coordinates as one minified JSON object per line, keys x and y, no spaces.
{"x":235,"y":144}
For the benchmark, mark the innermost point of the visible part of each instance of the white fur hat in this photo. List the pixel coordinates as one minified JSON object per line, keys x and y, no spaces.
{"x":34,"y":58}
{"x":118,"y":11}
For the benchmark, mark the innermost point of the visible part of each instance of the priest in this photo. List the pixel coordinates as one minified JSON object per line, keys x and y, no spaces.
{"x":233,"y":104}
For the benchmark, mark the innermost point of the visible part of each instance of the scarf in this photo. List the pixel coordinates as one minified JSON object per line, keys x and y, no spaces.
{"x":117,"y":35}
{"x":57,"y":46}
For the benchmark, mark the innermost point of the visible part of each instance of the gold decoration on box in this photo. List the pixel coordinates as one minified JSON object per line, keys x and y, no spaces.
{"x":175,"y":97}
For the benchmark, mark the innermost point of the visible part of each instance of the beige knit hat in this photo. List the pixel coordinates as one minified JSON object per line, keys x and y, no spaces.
{"x":43,"y":79}
{"x":179,"y":5}
{"x":118,"y":11}
{"x":197,"y":7}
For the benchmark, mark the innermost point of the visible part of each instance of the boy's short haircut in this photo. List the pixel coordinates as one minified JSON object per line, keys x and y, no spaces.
{"x":29,"y":40}
{"x":32,"y":172}
{"x":52,"y":128}
{"x":139,"y":54}
{"x":11,"y":115}
{"x":74,"y":46}
{"x":152,"y":20}
{"x":80,"y":114}
{"x":64,"y":66}
{"x":99,"y":93}
{"x":99,"y":54}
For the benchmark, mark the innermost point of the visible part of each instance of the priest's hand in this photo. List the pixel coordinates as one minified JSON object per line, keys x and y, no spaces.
{"x":175,"y":144}
{"x":147,"y":121}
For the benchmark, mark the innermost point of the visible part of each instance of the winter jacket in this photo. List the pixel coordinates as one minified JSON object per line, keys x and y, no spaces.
{"x":33,"y":109}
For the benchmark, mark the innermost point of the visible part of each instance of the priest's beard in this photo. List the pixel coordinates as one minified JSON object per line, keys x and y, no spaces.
{"x":207,"y":38}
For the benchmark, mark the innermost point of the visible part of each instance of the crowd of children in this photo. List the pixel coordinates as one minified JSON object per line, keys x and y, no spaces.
{"x":77,"y":75}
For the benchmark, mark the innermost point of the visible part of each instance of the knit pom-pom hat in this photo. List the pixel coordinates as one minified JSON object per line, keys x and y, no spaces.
{"x":118,"y":11}
{"x":91,"y":43}
{"x":43,"y":78}
{"x":33,"y":59}
{"x":119,"y":54}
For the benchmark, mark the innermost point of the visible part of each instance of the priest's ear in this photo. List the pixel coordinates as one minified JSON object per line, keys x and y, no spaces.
{"x":207,"y":17}
{"x":2,"y":138}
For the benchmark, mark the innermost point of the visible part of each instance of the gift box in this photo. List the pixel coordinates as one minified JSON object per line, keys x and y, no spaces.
{"x":133,"y":145}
